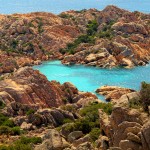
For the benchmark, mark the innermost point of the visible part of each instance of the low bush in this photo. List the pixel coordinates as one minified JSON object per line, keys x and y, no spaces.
{"x":4,"y":121}
{"x":24,"y":143}
{"x":107,"y":31}
{"x":16,"y":131}
{"x":30,"y":111}
{"x":5,"y":130}
{"x":85,"y":38}
{"x":145,"y":95}
{"x":94,"y":134}
{"x":90,"y":116}
{"x":92,"y":27}
{"x":135,"y":103}
{"x":2,"y":105}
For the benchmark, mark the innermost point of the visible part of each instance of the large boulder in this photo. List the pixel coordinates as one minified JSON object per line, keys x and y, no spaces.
{"x":53,"y":141}
{"x":74,"y":136}
{"x":145,"y":136}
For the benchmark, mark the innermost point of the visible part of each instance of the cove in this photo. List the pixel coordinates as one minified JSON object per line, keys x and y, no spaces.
{"x":88,"y":79}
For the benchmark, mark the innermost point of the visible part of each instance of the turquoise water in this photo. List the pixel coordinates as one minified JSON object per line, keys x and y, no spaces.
{"x":90,"y":78}
{"x":57,"y":6}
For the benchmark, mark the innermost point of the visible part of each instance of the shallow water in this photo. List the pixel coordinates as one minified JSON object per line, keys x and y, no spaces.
{"x":57,"y":6}
{"x":90,"y":78}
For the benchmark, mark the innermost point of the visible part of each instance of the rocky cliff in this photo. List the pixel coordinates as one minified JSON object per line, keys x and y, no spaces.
{"x":26,"y":38}
{"x":108,"y":38}
{"x":115,"y":37}
{"x":30,"y":87}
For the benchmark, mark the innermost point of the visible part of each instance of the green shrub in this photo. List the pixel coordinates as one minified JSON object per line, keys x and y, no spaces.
{"x":16,"y":131}
{"x":4,"y":120}
{"x":66,"y":120}
{"x":30,"y":111}
{"x":90,"y":116}
{"x":24,"y":143}
{"x":135,"y":103}
{"x":107,"y":31}
{"x":4,"y":147}
{"x":27,"y":140}
{"x":92,"y":27}
{"x":94,"y":134}
{"x":69,"y":108}
{"x":8,"y":123}
{"x":5,"y":130}
{"x":86,"y":38}
{"x":145,"y":95}
{"x":14,"y":44}
{"x":65,"y":16}
{"x":83,"y":125}
{"x":10,"y":131}
{"x":2,"y":105}
{"x":93,"y":109}
{"x":20,"y":146}
{"x":70,"y":127}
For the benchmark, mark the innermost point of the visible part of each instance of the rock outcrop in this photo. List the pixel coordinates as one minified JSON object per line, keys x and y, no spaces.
{"x":30,"y":87}
{"x":53,"y":141}
{"x":125,"y":128}
{"x":113,"y":93}
{"x":121,"y":39}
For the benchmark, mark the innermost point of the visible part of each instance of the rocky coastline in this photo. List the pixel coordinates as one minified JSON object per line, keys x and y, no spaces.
{"x":37,"y":114}
{"x":108,"y":38}
{"x":64,"y":118}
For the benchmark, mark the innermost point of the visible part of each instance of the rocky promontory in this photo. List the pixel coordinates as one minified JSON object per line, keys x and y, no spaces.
{"x":114,"y":37}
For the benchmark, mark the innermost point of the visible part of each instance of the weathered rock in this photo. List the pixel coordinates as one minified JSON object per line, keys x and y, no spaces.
{"x":145,"y":136}
{"x":128,"y":98}
{"x":53,"y":142}
{"x":30,"y":87}
{"x":113,"y":92}
{"x":67,"y":129}
{"x":134,"y":138}
{"x":121,"y":114}
{"x":126,"y":144}
{"x":85,"y":146}
{"x":105,"y":124}
{"x":115,"y":148}
{"x":104,"y":145}
{"x":74,"y":136}
{"x":26,"y":126}
{"x":84,"y":139}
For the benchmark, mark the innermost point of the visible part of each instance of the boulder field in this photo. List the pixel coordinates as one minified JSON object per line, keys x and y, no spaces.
{"x":67,"y":119}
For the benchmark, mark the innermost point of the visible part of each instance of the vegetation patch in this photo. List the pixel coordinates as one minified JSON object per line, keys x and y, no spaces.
{"x":24,"y":143}
{"x":89,"y":123}
{"x":107,"y":31}
{"x":86,"y":38}
{"x":145,"y":95}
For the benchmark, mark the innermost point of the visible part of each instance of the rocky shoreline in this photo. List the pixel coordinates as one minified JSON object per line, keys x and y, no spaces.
{"x":67,"y":119}
{"x":108,"y":38}
{"x":45,"y":115}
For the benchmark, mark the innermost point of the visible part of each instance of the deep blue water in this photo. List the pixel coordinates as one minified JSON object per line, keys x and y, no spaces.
{"x":90,"y":78}
{"x":57,"y":6}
